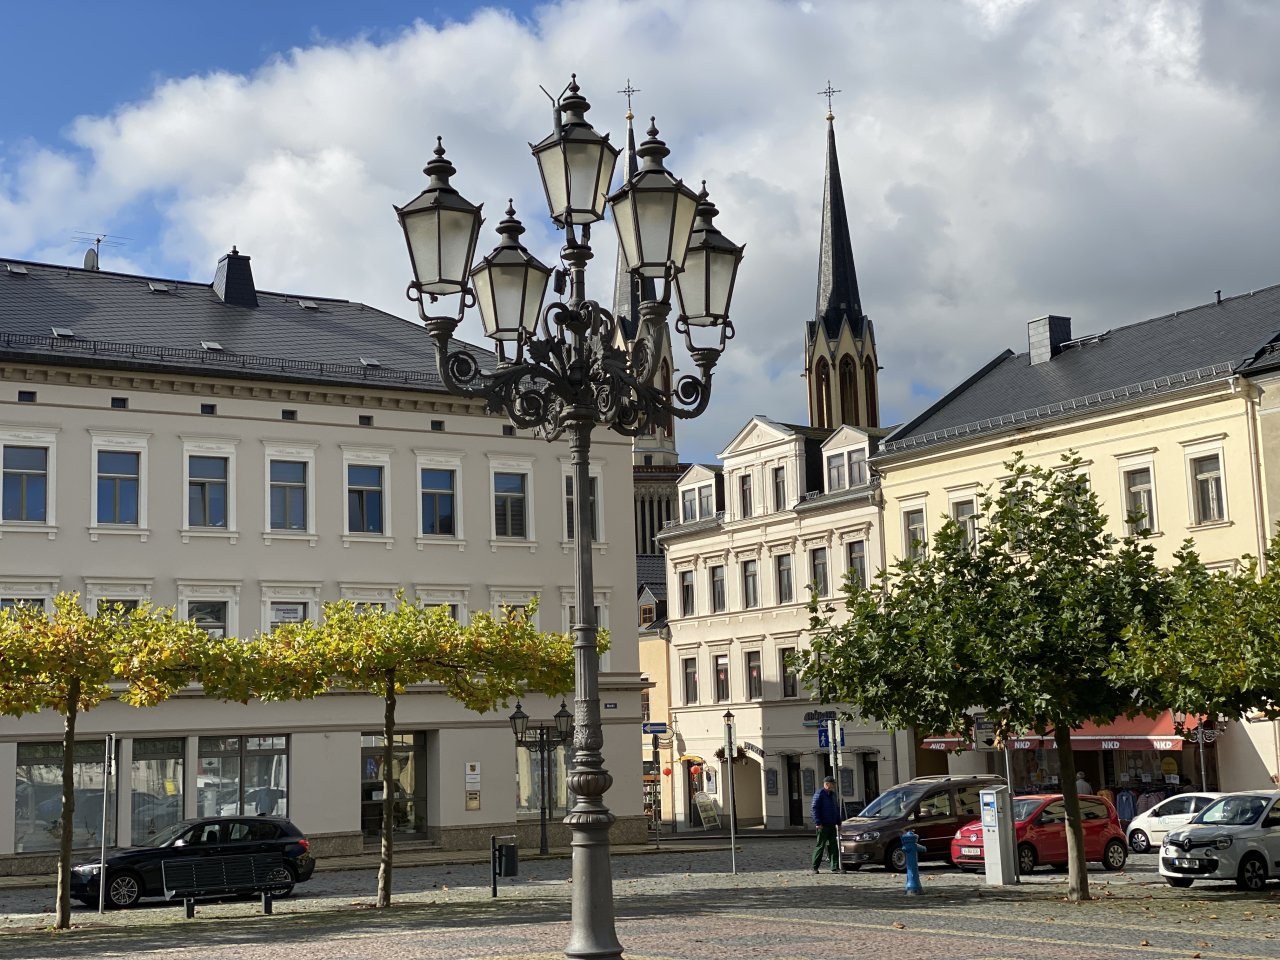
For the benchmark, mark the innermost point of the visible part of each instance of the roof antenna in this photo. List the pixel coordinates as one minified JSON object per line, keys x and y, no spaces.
{"x":1218,"y":293}
{"x":98,"y":241}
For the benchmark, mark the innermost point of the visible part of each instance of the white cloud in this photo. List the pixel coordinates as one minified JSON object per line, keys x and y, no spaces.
{"x":1001,"y":159}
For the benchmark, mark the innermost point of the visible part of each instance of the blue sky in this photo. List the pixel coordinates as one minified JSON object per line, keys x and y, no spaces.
{"x":1109,"y":160}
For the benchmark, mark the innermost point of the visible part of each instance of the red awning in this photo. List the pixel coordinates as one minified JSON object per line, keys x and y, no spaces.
{"x":1140,"y":733}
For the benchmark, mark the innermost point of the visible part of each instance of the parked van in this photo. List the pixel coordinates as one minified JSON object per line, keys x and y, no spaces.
{"x":934,"y":807}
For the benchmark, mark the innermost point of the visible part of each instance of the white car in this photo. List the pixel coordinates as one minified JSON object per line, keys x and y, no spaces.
{"x":1146,"y":831}
{"x":1237,"y":837}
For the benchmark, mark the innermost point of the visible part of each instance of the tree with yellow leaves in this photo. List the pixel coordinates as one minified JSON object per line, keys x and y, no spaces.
{"x":71,"y":661}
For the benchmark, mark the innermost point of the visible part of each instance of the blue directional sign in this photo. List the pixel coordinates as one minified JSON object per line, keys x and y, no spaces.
{"x":653,"y":726}
{"x":824,"y":741}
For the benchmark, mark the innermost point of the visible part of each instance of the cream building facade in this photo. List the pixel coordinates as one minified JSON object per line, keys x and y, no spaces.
{"x":798,"y":507}
{"x":1168,"y":428}
{"x":246,"y":456}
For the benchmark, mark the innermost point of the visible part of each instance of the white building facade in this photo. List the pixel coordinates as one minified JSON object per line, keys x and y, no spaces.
{"x":793,"y":506}
{"x":246,"y":456}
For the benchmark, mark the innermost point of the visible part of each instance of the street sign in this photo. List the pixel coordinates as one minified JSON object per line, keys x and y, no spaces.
{"x":653,"y":726}
{"x":824,"y":740}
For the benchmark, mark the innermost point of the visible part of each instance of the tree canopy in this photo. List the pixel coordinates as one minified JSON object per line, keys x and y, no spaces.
{"x":1023,"y":617}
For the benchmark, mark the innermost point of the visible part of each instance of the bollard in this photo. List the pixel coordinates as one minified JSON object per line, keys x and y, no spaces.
{"x":911,"y":849}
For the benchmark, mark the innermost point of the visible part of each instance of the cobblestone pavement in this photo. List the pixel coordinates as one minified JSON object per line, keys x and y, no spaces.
{"x":681,"y":904}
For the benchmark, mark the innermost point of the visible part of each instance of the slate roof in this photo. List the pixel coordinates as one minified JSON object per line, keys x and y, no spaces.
{"x":651,"y":572}
{"x":1158,"y":356}
{"x":838,"y":299}
{"x":120,"y":322}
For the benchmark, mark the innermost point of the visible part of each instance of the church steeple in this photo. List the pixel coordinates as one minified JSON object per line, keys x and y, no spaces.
{"x":840,"y":351}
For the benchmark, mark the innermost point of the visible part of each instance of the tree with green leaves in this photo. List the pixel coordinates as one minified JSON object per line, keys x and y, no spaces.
{"x":71,"y":661}
{"x":1022,"y":620}
{"x":482,"y":665}
{"x":1216,"y":650}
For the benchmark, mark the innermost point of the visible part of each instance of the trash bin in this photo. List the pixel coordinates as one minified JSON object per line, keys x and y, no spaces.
{"x":508,"y":860}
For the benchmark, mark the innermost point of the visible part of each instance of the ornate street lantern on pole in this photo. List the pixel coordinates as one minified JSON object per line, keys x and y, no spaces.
{"x":570,"y":368}
{"x":1200,"y":735}
{"x":542,"y":737}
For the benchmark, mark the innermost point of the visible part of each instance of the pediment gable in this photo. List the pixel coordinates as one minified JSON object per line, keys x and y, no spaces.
{"x":759,"y":432}
{"x":698,"y":473}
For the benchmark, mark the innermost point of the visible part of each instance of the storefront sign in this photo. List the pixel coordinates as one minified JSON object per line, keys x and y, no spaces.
{"x":706,"y":810}
{"x":771,"y":782}
{"x":750,"y":747}
{"x":816,"y":718}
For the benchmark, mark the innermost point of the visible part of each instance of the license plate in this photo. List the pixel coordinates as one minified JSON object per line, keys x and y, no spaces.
{"x":971,"y":851}
{"x":1186,"y":862}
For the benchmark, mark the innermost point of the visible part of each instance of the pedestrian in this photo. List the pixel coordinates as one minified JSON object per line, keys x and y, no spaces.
{"x":1082,"y":785}
{"x":826,"y":818}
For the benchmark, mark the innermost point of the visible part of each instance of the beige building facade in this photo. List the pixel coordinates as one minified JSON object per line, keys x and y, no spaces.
{"x":1167,"y":429}
{"x":246,"y":473}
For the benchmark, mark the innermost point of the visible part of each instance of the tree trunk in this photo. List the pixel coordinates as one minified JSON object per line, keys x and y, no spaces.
{"x":388,"y":788}
{"x":1078,"y":871}
{"x":62,"y":915}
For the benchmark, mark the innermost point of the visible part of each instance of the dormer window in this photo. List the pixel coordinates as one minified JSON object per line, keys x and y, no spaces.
{"x":63,"y":333}
{"x":210,"y":345}
{"x":857,"y":467}
{"x":835,"y":472}
{"x":688,"y":505}
{"x":706,"y":500}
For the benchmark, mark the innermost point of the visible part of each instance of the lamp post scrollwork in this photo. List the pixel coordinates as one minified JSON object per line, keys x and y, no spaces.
{"x":572,"y":366}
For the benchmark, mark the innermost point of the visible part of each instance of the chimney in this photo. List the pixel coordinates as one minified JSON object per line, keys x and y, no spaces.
{"x":233,"y":283}
{"x":1046,"y":336}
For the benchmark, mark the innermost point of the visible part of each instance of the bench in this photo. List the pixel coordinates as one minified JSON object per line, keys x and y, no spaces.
{"x":193,"y":877}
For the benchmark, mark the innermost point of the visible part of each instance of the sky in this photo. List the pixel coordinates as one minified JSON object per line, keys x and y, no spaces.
{"x":1107,"y":160}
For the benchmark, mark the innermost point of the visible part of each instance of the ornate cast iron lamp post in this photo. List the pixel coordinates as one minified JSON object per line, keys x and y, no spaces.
{"x":542,"y":738}
{"x":1200,"y":735}
{"x":571,"y":367}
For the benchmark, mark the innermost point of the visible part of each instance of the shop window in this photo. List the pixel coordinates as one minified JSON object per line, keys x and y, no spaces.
{"x":243,"y":776}
{"x":409,"y":783}
{"x":155,"y":786}
{"x":38,"y":795}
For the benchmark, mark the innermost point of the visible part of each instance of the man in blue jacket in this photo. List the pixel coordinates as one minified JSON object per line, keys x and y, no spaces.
{"x":826,"y":817}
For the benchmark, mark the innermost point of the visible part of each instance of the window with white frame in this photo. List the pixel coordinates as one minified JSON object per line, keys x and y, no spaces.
{"x":1140,"y":501}
{"x":818,"y":577}
{"x":513,"y":600}
{"x":689,"y":677}
{"x":688,"y":505}
{"x":750,"y":584}
{"x":779,"y":488}
{"x":965,"y":514}
{"x":716,"y":574}
{"x":571,"y":510}
{"x":452,"y":596}
{"x":209,"y":477}
{"x":104,"y":591}
{"x":783,"y":581}
{"x":289,"y":602}
{"x":511,"y":505}
{"x":755,"y":678}
{"x":119,"y":483}
{"x":1208,"y":498}
{"x":706,"y":501}
{"x":721,"y":670}
{"x":19,"y":590}
{"x":213,"y":606}
{"x":915,"y":538}
{"x":287,"y":611}
{"x":835,"y":472}
{"x":787,"y":671}
{"x":26,"y":484}
{"x":744,"y":496}
{"x":858,"y":563}
{"x":438,"y":488}
{"x":366,"y":494}
{"x":290,"y":491}
{"x":686,"y":593}
{"x":857,"y":467}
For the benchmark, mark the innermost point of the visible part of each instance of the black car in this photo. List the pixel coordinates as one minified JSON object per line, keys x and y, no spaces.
{"x":134,"y":872}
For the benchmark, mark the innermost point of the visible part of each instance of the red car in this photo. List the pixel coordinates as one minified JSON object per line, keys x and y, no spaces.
{"x":1040,"y":822}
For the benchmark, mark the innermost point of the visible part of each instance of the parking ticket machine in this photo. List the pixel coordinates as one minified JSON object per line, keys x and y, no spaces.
{"x":998,"y":849}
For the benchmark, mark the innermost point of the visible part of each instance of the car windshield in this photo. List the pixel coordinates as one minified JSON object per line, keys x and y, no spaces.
{"x":892,"y":803}
{"x":1232,"y":811}
{"x":1024,"y":808}
{"x":166,"y":836}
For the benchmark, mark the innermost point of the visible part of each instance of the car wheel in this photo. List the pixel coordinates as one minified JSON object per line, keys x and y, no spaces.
{"x":124,"y":889}
{"x":1027,"y":859}
{"x":1253,"y":873}
{"x":1114,"y":855}
{"x":1139,"y":841}
{"x":895,"y":859}
{"x":285,"y":875}
{"x":1180,"y":882}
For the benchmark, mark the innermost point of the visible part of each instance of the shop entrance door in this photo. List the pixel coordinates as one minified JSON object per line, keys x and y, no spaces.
{"x":795,"y":797}
{"x":409,"y":784}
{"x":870,"y":778}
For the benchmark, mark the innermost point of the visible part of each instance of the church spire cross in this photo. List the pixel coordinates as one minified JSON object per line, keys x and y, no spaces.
{"x":828,"y":93}
{"x":628,"y":90}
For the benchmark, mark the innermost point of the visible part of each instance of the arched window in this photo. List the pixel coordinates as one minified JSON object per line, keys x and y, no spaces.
{"x":822,"y":393}
{"x":848,"y":390}
{"x":869,"y":372}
